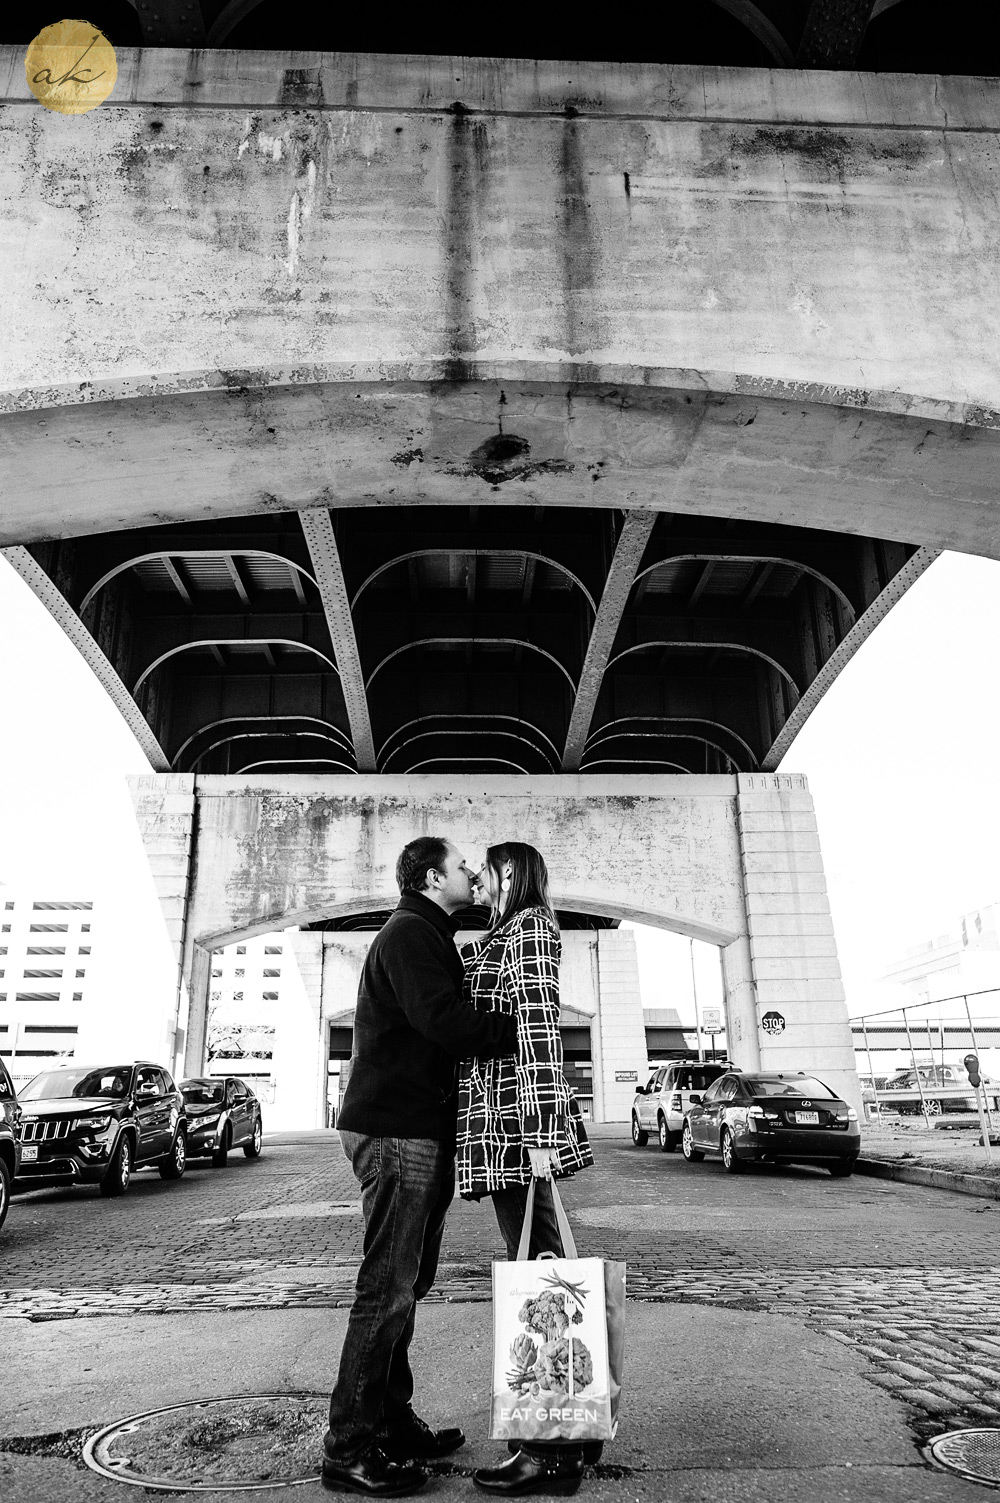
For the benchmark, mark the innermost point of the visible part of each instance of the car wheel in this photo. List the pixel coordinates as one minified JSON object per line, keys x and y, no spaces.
{"x":116,"y":1181}
{"x":175,"y":1163}
{"x":730,"y":1162}
{"x":639,"y":1136}
{"x":668,"y":1139}
{"x":691,"y":1153}
{"x":252,"y":1149}
{"x":932,"y":1107}
{"x":220,"y":1157}
{"x":4,"y":1191}
{"x":842,"y":1169}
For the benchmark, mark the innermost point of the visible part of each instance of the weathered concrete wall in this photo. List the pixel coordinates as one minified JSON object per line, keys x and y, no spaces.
{"x":722,"y":859}
{"x":258,"y":281}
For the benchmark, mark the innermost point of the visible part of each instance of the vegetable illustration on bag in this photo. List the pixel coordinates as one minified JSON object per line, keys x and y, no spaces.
{"x":551,"y":1315}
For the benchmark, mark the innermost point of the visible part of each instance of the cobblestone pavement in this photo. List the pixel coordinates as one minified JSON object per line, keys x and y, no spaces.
{"x":909,"y":1277}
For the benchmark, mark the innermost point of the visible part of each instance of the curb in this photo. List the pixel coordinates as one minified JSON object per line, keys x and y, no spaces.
{"x":935,"y":1179}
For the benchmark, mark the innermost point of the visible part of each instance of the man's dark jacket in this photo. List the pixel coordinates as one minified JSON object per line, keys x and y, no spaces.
{"x":411,"y":1027}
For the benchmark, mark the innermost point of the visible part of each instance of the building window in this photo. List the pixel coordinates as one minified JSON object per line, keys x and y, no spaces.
{"x":36,"y":996}
{"x":80,"y":975}
{"x":5,"y":929}
{"x":239,"y":973}
{"x":46,"y":950}
{"x":272,"y":949}
{"x":3,"y":996}
{"x":47,"y":928}
{"x":51,"y":1028}
{"x":270,"y":996}
{"x":241,"y":949}
{"x":272,"y":973}
{"x":215,"y":996}
{"x":8,"y":906}
{"x":84,"y":928}
{"x":216,"y":973}
{"x":84,"y":949}
{"x":3,"y":950}
{"x":78,"y":996}
{"x":237,"y":996}
{"x":41,"y":975}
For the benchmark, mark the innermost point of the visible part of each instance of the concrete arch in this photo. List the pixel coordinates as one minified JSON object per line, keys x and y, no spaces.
{"x":730,"y":859}
{"x":457,"y":715}
{"x":752,"y":558}
{"x":262,"y":735}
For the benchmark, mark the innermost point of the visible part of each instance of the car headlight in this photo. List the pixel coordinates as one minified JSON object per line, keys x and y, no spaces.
{"x":97,"y":1123}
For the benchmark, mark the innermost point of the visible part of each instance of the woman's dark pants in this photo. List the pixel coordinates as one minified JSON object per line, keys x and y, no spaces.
{"x":407,"y":1185}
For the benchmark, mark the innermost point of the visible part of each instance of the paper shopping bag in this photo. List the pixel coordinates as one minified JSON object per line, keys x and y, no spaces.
{"x":557,"y":1325}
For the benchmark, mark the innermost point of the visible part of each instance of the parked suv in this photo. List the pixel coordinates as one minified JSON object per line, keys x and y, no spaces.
{"x":95,"y":1125}
{"x":660,"y":1104}
{"x":10,"y":1117}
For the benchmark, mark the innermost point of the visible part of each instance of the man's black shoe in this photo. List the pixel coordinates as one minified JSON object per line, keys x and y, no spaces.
{"x":373,"y":1475}
{"x":415,"y":1440}
{"x":532,"y":1474}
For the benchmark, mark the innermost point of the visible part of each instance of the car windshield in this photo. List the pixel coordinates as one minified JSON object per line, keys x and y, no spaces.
{"x":59,"y":1085}
{"x":699,"y":1080}
{"x":793,"y":1085}
{"x":203,"y":1092}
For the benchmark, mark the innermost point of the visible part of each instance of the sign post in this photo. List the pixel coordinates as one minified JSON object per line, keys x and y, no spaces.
{"x":711,"y":1023}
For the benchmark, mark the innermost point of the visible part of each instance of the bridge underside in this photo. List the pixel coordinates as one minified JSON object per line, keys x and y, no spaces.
{"x":511,"y":638}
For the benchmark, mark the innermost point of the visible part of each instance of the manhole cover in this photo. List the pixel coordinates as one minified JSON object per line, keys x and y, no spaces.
{"x":216,"y":1445}
{"x":974,"y":1454}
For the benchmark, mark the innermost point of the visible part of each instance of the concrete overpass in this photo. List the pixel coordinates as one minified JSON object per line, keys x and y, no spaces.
{"x":412,"y":416}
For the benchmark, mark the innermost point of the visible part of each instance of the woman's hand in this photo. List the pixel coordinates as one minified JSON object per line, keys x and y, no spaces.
{"x":544,"y":1161}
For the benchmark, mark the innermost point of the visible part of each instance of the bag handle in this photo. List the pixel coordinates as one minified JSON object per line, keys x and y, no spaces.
{"x":562,"y":1221}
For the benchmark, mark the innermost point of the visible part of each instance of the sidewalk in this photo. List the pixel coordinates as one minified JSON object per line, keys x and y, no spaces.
{"x":948,"y":1157}
{"x":721,"y":1406}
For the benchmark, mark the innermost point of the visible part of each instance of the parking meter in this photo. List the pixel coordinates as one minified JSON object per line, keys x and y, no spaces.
{"x":971,"y":1063}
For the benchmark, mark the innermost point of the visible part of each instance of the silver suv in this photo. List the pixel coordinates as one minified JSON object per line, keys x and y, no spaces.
{"x":660,"y":1104}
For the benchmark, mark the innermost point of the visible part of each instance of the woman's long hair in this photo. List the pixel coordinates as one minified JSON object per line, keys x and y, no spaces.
{"x":529,"y":880}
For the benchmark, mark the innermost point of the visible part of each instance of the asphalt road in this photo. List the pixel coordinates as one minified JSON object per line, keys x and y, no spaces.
{"x":297,"y":1208}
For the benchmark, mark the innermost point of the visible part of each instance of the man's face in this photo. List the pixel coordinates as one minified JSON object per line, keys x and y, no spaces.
{"x":454,"y":881}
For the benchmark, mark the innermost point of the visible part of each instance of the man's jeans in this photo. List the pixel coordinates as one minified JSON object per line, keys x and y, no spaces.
{"x":407,"y":1185}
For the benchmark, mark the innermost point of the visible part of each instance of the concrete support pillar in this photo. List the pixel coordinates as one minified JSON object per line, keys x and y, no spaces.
{"x":801,"y":1011}
{"x":165,"y":813}
{"x":300,"y":1046}
{"x":620,"y":1048}
{"x":199,"y":979}
{"x":741,"y":1004}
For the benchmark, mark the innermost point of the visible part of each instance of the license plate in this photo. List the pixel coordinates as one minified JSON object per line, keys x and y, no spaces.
{"x":29,"y":1154}
{"x":807,"y":1119}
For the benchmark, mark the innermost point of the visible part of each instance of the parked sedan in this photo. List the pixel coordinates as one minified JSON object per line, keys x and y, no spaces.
{"x":223,"y":1113}
{"x":10,"y":1133}
{"x":774,"y":1118}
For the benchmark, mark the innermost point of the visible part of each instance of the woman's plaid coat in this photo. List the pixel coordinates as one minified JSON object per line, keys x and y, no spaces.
{"x":511,"y":1104}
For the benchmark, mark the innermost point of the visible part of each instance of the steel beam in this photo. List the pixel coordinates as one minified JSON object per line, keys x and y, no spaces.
{"x":62,"y":612}
{"x":625,"y":564}
{"x":329,"y":574}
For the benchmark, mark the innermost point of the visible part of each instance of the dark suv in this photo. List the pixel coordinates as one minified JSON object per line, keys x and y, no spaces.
{"x":10,"y":1116}
{"x":95,"y":1125}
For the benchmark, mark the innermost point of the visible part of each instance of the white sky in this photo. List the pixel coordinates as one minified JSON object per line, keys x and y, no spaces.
{"x":900,"y":757}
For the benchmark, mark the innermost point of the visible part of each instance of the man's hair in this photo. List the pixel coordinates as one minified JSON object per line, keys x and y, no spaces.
{"x":417,"y":859}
